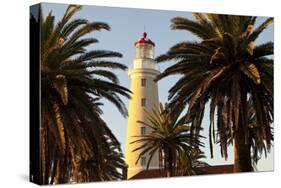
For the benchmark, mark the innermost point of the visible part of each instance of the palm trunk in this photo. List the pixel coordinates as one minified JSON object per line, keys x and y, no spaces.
{"x":242,"y":152}
{"x":169,"y":161}
{"x":168,"y":173}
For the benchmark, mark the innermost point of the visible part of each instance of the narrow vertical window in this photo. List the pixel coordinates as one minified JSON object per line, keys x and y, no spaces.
{"x":143,"y":161}
{"x":143,"y":82}
{"x":142,"y":131}
{"x":143,"y":101}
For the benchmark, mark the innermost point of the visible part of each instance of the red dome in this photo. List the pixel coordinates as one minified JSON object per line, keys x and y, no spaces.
{"x":144,"y":40}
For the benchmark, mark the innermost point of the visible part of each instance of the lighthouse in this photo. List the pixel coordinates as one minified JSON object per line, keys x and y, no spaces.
{"x":144,"y":98}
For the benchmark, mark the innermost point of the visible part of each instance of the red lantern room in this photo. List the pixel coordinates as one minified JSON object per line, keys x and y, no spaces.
{"x":144,"y":40}
{"x":144,"y":47}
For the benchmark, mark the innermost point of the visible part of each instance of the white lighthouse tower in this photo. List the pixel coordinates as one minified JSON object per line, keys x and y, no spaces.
{"x":144,"y":98}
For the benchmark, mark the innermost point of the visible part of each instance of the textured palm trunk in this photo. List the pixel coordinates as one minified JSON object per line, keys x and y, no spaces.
{"x":168,"y":173}
{"x":242,"y":152}
{"x":169,"y":164}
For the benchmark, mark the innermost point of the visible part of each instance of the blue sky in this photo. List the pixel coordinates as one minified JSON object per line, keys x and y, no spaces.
{"x":127,"y":26}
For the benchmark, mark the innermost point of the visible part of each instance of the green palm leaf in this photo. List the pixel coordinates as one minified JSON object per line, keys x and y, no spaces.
{"x":76,"y":144}
{"x":226,"y":68}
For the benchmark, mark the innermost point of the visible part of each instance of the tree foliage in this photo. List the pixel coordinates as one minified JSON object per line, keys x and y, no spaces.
{"x":76,"y":144}
{"x":226,"y":69}
{"x":170,"y":138}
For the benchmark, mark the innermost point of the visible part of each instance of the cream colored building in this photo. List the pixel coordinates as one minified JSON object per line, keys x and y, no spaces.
{"x":144,"y":97}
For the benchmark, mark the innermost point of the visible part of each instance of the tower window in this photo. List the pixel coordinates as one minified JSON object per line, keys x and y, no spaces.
{"x":143,"y":101}
{"x":142,"y":131}
{"x":143,"y":161}
{"x":143,"y":82}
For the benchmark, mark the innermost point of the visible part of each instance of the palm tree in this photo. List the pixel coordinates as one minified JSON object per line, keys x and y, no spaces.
{"x":224,"y":69}
{"x":76,"y":145}
{"x":171,"y":139}
{"x":191,"y":164}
